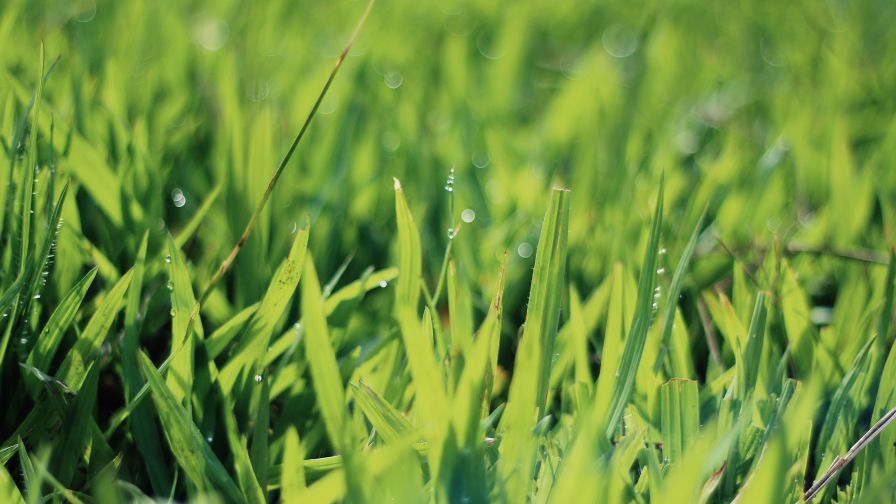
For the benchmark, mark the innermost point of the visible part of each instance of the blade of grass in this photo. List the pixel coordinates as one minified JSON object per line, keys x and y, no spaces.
{"x":528,"y":388}
{"x":637,"y":336}
{"x":189,"y":447}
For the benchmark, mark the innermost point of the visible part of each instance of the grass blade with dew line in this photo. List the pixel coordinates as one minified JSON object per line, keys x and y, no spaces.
{"x":679,"y":364}
{"x":45,"y":347}
{"x":245,"y":474}
{"x":244,"y":237}
{"x":528,"y":388}
{"x":637,"y":336}
{"x":180,"y":375}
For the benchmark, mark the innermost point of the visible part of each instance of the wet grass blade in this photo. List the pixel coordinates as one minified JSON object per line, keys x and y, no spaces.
{"x":637,"y":336}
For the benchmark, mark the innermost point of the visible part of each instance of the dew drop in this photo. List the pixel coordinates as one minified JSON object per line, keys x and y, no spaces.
{"x":173,"y":312}
{"x":258,"y":378}
{"x":37,"y":296}
{"x":383,"y":284}
{"x":168,"y":259}
{"x":177,"y":196}
{"x":170,"y":285}
{"x":661,"y":271}
{"x":662,"y":251}
{"x":468,"y":215}
{"x":524,"y":250}
{"x":451,"y":233}
{"x":393,"y":79}
{"x":23,"y":341}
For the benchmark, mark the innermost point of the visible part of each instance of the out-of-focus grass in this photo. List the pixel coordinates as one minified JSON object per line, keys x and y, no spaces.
{"x":738,"y":156}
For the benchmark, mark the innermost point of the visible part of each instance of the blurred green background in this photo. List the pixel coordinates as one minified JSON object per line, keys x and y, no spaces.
{"x":777,"y":117}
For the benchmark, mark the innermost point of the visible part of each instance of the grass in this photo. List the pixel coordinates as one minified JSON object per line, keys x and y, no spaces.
{"x":541,"y":251}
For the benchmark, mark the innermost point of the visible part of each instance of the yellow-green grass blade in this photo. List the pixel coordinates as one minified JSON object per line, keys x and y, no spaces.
{"x":326,"y":379}
{"x":410,"y":262}
{"x":73,"y":369}
{"x":389,"y":423}
{"x":247,"y":359}
{"x":292,"y":471}
{"x":9,"y":492}
{"x":637,"y":335}
{"x":180,"y":375}
{"x":680,"y":417}
{"x":528,"y":388}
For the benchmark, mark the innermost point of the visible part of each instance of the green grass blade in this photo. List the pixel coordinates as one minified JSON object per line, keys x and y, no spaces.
{"x":142,"y":424}
{"x":292,"y":471}
{"x":48,"y":341}
{"x":180,"y":375}
{"x":68,"y":453}
{"x":326,"y":378}
{"x":410,"y":262}
{"x":9,"y":492}
{"x":248,"y":357}
{"x":200,"y":464}
{"x":637,"y":336}
{"x":680,"y":414}
{"x":677,"y":356}
{"x":73,"y":369}
{"x":528,"y":389}
{"x":389,"y":423}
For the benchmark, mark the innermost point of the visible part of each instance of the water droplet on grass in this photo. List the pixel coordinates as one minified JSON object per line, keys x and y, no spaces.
{"x":393,"y":79}
{"x":177,"y":196}
{"x":383,"y":284}
{"x":524,"y":250}
{"x":168,"y":259}
{"x":258,"y":378}
{"x":468,"y":215}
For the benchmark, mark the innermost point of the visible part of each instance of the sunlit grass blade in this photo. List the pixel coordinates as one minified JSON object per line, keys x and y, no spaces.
{"x":389,"y":423}
{"x":407,"y":290}
{"x":326,"y":378}
{"x":292,"y":472}
{"x":73,"y":369}
{"x":180,"y":374}
{"x":44,"y":349}
{"x":528,"y":389}
{"x":677,"y":355}
{"x":9,"y":492}
{"x":248,"y":356}
{"x":680,"y":416}
{"x":637,"y":335}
